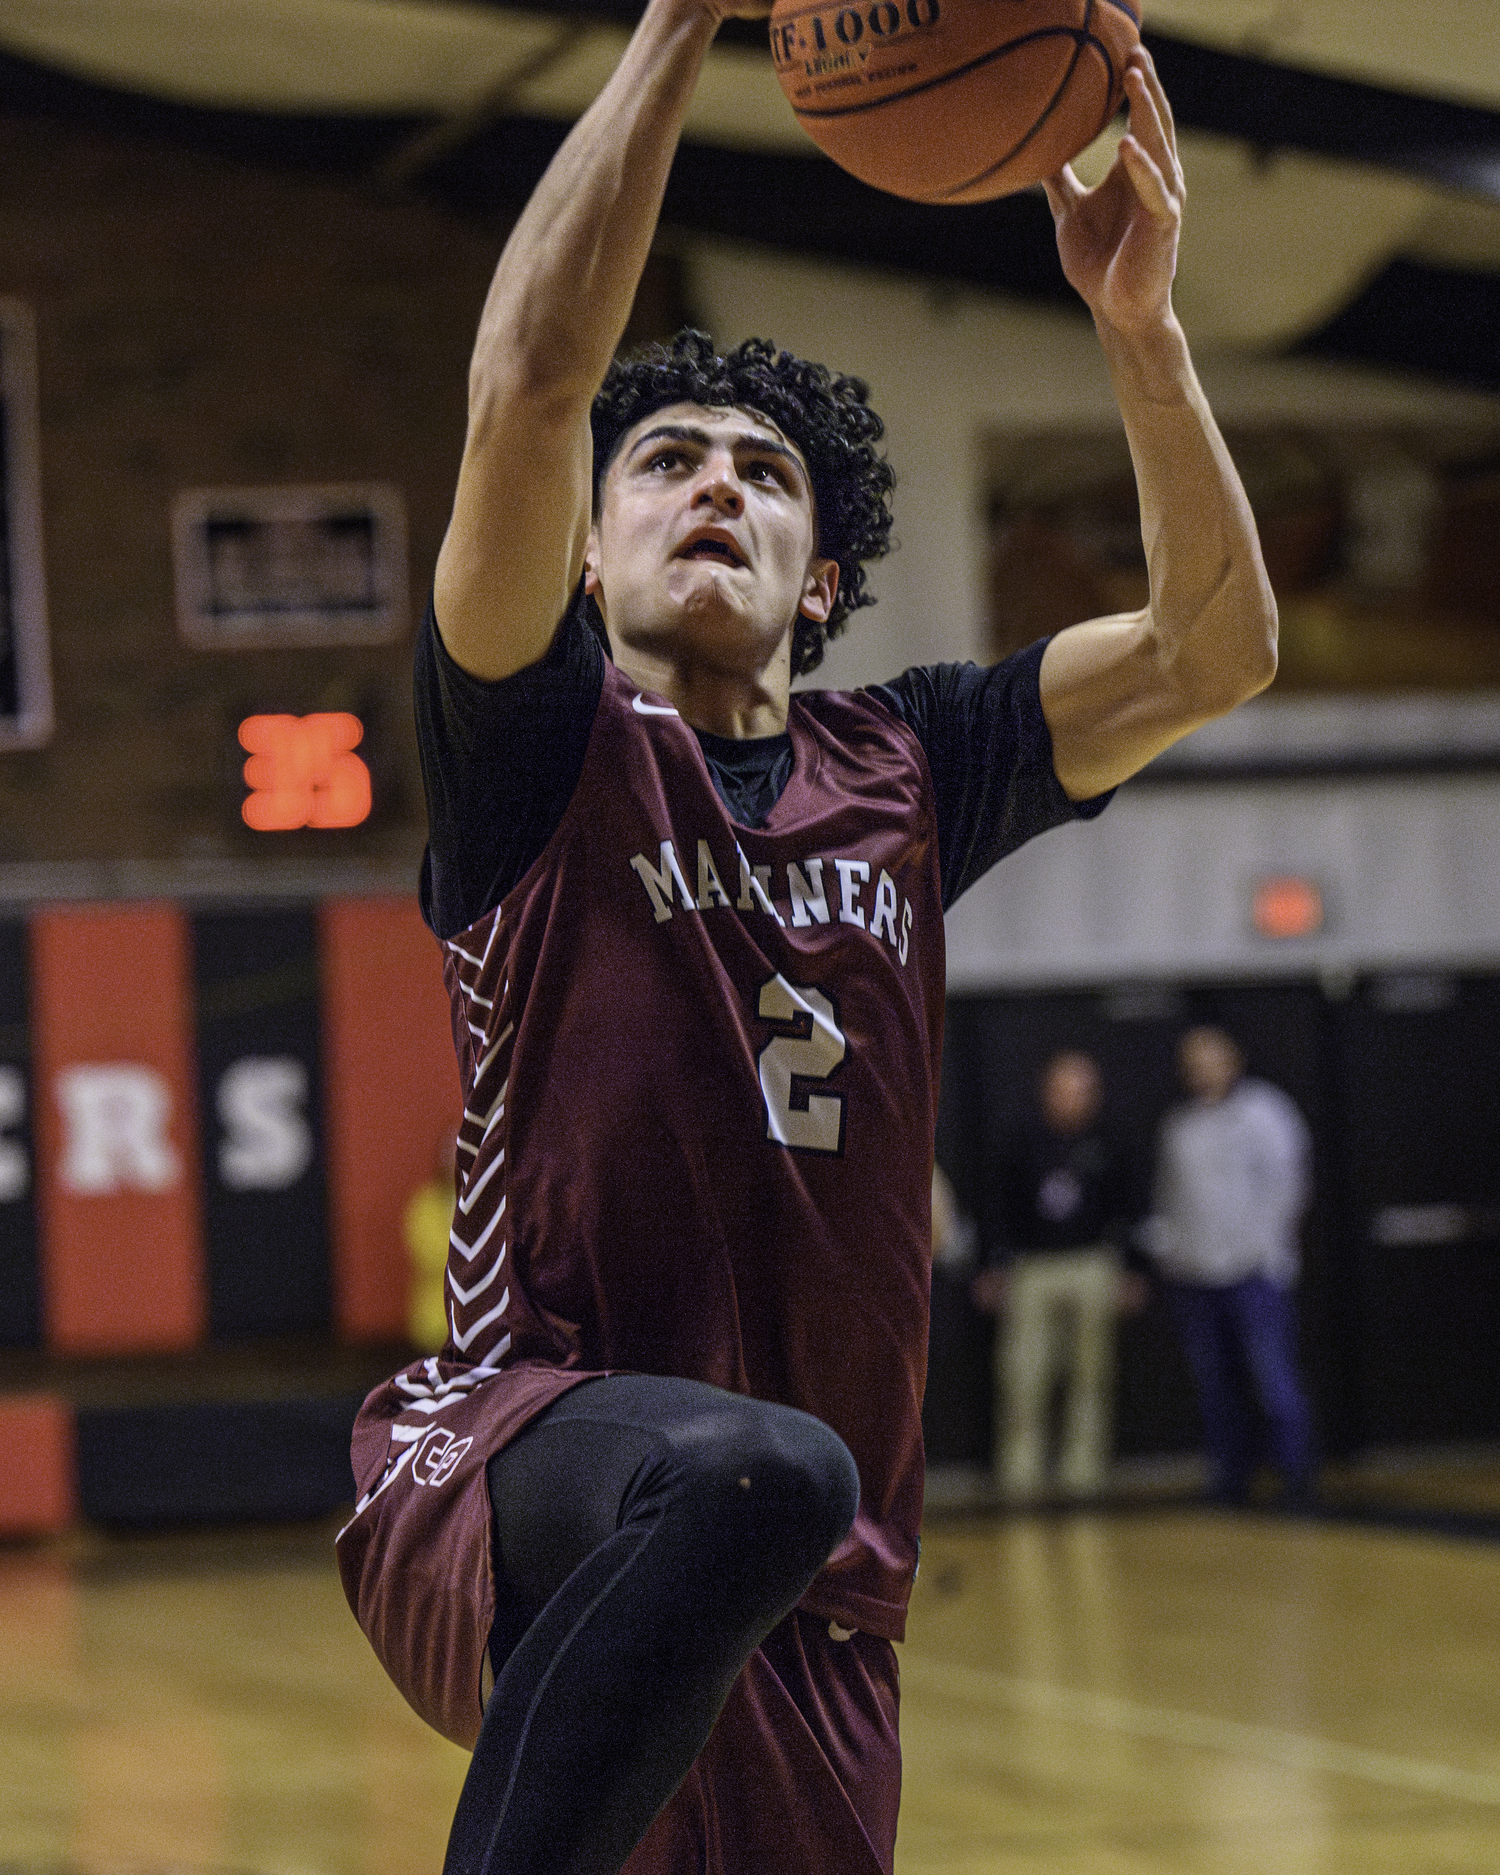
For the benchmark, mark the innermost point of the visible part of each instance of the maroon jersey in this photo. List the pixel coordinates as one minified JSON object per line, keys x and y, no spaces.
{"x":699,"y":1048}
{"x":700,"y":1065}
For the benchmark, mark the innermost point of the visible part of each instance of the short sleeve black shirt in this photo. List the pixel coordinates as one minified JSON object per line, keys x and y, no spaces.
{"x":500,"y":762}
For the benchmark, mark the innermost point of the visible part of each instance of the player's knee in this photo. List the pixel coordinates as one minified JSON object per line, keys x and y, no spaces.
{"x":783,"y":1484}
{"x":808,"y":1476}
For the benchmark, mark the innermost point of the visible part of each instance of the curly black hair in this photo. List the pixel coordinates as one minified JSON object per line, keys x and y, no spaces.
{"x":828,"y":419}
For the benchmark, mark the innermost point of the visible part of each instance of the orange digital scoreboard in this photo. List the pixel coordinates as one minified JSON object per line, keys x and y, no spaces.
{"x":302,"y":771}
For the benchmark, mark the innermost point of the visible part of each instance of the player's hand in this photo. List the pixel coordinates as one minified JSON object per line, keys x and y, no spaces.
{"x":1118,"y":242}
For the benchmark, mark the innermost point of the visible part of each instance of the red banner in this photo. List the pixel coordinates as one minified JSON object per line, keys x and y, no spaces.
{"x":116,"y":1129}
{"x":392,"y":1094}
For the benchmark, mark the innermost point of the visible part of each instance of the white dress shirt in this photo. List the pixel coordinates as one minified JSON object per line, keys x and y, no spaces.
{"x":1232,"y":1181}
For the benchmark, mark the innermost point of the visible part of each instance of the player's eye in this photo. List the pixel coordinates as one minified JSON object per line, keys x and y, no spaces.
{"x":768,"y":469}
{"x":666,"y":458}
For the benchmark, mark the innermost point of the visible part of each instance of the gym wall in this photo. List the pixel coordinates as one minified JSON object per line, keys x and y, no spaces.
{"x":213,"y":1120}
{"x":1395,"y":1072}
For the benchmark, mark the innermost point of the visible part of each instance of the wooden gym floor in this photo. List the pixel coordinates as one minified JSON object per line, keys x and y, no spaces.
{"x":1150,"y":1691}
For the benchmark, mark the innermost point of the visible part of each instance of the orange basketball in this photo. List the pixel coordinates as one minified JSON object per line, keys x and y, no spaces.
{"x":953,"y":100}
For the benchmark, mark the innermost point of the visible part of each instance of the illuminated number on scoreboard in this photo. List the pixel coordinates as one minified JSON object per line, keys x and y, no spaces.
{"x":302,"y":772}
{"x":807,"y":1047}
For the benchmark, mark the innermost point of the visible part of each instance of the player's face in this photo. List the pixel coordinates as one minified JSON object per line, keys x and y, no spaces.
{"x":705,"y":544}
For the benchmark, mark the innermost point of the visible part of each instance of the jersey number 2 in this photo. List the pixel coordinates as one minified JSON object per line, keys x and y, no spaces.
{"x":807,"y":1046}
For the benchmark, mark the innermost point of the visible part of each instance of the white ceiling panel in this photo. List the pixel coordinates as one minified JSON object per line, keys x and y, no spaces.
{"x":436,"y":54}
{"x":1458,"y":231}
{"x":1239,"y":206}
{"x":1446,"y":48}
{"x":738,"y":102}
{"x":281,"y":55}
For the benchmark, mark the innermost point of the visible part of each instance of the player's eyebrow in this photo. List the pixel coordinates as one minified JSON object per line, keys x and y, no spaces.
{"x":756,"y":440}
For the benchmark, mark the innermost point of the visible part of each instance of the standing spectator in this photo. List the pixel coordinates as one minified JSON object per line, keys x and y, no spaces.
{"x":1054,"y":1280}
{"x":1231,"y":1186}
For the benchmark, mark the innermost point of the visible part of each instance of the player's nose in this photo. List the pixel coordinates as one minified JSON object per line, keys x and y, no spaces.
{"x":719,"y":484}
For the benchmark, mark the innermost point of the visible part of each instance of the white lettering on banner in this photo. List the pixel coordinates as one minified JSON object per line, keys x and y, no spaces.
{"x":115,"y":1116}
{"x":15,"y":1167}
{"x":267,"y":1143}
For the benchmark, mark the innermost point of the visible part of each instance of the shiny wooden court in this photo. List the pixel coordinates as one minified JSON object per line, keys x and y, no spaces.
{"x":1153,"y":1692}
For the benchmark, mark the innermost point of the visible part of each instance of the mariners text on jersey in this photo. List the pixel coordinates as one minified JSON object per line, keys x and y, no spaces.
{"x":811,"y":897}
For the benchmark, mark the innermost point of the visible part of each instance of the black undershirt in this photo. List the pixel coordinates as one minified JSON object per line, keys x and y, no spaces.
{"x":748,"y":773}
{"x":500,"y":762}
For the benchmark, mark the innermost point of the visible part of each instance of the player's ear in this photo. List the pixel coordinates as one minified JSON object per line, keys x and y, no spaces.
{"x":819,"y":590}
{"x":591,"y":579}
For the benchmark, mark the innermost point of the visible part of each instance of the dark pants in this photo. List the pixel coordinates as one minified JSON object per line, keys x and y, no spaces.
{"x":649,"y":1534}
{"x":1240,"y":1340}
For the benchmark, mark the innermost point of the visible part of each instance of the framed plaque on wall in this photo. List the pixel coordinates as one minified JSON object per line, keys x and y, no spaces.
{"x":287,"y":566}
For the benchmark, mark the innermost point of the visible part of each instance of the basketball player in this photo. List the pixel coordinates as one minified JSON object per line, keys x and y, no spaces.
{"x":644,"y":1533}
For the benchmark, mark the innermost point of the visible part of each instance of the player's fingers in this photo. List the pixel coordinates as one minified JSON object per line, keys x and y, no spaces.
{"x":1064,"y":191}
{"x":1146,"y":120}
{"x":1158,"y":199}
{"x":1144,"y":62}
{"x":1150,"y":132}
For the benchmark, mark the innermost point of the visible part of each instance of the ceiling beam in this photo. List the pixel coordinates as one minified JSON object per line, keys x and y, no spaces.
{"x":800,"y":204}
{"x":413,"y":158}
{"x":1282,"y":107}
{"x":1428,"y":321}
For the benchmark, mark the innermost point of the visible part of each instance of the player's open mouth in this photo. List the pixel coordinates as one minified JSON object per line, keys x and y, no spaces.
{"x":711,"y":547}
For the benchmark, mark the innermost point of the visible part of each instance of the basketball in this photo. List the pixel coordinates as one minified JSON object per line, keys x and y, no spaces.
{"x":953,"y":100}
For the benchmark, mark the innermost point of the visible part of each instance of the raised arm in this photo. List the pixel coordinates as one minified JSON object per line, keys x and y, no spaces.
{"x":555,"y":311}
{"x":1116,"y":691}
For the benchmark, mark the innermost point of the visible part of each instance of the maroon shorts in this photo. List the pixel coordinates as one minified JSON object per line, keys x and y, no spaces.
{"x":803,"y":1769}
{"x":802,"y":1773}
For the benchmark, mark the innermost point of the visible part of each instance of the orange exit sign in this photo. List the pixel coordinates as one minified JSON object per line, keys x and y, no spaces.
{"x":302,"y":772}
{"x":1287,"y":905}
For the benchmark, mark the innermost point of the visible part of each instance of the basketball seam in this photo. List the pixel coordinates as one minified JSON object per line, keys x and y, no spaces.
{"x":1015,"y":150}
{"x":1084,"y":39}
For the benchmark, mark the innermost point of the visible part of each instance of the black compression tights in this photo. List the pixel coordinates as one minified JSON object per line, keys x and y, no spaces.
{"x":649,"y":1534}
